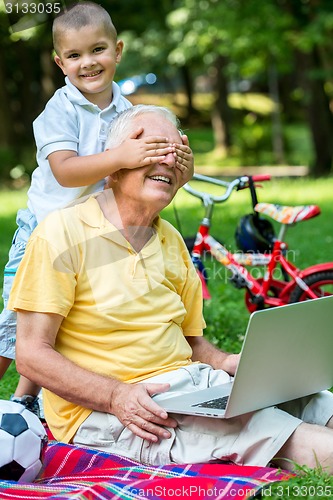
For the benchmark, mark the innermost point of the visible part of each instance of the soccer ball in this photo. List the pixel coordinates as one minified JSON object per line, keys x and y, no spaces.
{"x":23,"y":441}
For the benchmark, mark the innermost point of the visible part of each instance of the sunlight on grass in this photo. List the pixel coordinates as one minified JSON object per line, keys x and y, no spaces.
{"x":257,"y":103}
{"x":252,"y":102}
{"x":11,"y":201}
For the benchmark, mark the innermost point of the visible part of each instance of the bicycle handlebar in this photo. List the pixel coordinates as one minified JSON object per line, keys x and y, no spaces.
{"x":239,"y":183}
{"x":261,"y":177}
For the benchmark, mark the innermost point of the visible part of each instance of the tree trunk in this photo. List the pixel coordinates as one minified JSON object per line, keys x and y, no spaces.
{"x":277,"y":136}
{"x":221,"y":113}
{"x":318,"y":113}
{"x":188,"y":87}
{"x":6,"y":117}
{"x":26,"y":99}
{"x":9,"y":150}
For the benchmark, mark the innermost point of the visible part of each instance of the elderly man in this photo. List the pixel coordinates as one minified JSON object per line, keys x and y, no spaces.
{"x":110,"y":315}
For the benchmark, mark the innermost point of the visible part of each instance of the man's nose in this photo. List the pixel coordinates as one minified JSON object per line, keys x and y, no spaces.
{"x":169,"y":160}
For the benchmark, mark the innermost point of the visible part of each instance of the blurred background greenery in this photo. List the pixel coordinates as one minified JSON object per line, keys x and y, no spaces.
{"x":251,"y":80}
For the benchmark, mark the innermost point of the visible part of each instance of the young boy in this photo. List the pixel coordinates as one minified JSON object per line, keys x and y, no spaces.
{"x":70,"y":136}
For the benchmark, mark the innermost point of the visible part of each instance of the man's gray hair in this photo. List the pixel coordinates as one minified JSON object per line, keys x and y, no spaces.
{"x":122,"y":125}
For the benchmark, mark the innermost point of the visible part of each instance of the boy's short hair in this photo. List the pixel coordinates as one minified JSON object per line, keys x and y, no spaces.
{"x":81,"y":14}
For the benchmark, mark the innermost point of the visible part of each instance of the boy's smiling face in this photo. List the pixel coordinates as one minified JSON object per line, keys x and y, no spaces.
{"x":88,"y":56}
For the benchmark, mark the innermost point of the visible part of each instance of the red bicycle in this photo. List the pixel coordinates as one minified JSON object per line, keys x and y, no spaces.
{"x":259,"y":246}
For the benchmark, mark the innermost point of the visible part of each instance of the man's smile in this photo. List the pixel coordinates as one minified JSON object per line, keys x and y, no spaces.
{"x":160,"y":178}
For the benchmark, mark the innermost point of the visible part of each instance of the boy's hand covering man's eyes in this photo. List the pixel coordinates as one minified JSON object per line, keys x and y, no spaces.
{"x":185,"y":159}
{"x":137,"y":151}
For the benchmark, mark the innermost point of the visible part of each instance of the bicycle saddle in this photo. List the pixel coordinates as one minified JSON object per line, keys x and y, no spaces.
{"x":287,"y":215}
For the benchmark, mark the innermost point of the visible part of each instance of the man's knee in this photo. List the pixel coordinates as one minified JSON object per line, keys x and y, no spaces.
{"x":310,"y":445}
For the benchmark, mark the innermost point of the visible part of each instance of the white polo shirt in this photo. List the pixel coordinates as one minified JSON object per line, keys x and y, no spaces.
{"x":68,"y":122}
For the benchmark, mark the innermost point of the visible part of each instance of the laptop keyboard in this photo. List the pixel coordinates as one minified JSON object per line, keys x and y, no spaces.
{"x":218,"y":403}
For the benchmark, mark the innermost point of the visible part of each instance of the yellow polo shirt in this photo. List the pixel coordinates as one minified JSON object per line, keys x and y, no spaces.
{"x":125,"y":312}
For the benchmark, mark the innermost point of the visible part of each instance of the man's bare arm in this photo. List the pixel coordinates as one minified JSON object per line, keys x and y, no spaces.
{"x":38,"y":361}
{"x":205,"y":352}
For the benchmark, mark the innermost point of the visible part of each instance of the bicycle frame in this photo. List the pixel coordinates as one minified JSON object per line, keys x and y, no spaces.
{"x":259,"y":290}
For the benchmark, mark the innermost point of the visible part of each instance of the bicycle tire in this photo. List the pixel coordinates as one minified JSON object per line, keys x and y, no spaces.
{"x":316,"y":282}
{"x":274,"y":291}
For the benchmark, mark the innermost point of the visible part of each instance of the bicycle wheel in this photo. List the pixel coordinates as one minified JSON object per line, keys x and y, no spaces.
{"x":275,"y":290}
{"x":320,"y":283}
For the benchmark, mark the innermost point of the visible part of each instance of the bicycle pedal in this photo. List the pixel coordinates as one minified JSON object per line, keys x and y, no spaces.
{"x":238,"y":282}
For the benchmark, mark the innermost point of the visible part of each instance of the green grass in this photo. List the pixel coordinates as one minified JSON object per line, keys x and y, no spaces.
{"x":8,"y":382}
{"x":308,"y":484}
{"x":10,"y":202}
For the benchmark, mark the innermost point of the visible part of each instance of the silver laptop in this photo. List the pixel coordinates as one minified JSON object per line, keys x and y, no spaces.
{"x":287,"y":353}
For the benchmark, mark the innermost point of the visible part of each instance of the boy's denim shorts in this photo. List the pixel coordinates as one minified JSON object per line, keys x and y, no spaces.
{"x":26,"y":222}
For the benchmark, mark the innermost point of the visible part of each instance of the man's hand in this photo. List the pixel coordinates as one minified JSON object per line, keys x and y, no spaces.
{"x":185,"y":160}
{"x":133,"y":406}
{"x":230,"y":363}
{"x":136,"y":151}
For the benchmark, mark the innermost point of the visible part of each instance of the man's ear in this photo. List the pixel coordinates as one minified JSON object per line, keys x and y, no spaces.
{"x":115,"y":177}
{"x":59,"y":63}
{"x":111,"y":179}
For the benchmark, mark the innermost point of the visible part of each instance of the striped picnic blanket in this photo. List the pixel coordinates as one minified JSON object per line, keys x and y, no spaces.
{"x":79,"y":472}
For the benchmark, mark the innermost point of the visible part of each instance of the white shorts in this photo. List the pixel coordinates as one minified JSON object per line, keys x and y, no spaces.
{"x":251,"y":439}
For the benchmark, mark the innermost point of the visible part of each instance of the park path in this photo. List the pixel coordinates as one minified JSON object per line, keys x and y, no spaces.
{"x":274,"y":171}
